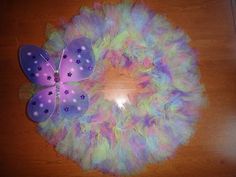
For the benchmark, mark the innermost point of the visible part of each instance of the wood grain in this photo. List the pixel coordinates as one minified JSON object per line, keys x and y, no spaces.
{"x":212,"y":150}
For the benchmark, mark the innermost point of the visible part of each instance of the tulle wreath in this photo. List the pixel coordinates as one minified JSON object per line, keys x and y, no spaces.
{"x":122,"y":137}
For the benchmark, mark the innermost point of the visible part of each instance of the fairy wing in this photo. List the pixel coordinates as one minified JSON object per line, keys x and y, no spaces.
{"x":77,"y":61}
{"x":37,"y":65}
{"x":42,"y":105}
{"x":73,"y":101}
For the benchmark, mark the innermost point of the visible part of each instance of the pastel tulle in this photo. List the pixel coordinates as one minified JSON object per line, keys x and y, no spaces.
{"x":123,"y":138}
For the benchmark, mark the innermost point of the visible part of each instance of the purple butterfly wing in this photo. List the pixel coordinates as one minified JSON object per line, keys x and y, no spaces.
{"x":42,"y":105}
{"x":73,"y":101}
{"x":36,"y":65}
{"x":77,"y":61}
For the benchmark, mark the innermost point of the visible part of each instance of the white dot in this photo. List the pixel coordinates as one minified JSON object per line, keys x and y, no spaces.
{"x":28,"y":69}
{"x":74,"y":100}
{"x":72,"y":91}
{"x":35,"y":62}
{"x":81,"y":68}
{"x":72,"y":69}
{"x":29,"y":53}
{"x":78,"y":108}
{"x":70,"y":60}
{"x":87,"y":61}
{"x":49,"y":101}
{"x":36,"y":113}
{"x":37,"y":74}
{"x":47,"y":64}
{"x":41,"y":105}
{"x":64,"y":100}
{"x":83,"y":48}
{"x":40,"y":96}
{"x":79,"y":56}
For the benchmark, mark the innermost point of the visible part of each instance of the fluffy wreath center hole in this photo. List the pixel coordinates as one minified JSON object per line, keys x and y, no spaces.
{"x":120,"y":86}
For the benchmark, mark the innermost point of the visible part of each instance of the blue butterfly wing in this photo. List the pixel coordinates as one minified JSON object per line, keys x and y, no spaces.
{"x":73,"y":101}
{"x":42,"y":105}
{"x":77,"y":61}
{"x":37,"y":65}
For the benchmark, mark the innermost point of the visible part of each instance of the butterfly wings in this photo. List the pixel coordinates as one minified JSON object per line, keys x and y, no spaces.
{"x":37,"y":65}
{"x":77,"y":63}
{"x":42,"y":105}
{"x":39,"y":69}
{"x":73,"y":101}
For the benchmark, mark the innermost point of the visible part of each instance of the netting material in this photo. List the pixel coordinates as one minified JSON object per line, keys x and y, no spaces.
{"x":122,"y":141}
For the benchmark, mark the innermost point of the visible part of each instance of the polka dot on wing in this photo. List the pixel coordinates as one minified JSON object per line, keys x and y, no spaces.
{"x":90,"y":68}
{"x":46,"y":111}
{"x":74,"y":100}
{"x":29,"y":53}
{"x":39,"y":68}
{"x":79,"y":50}
{"x":83,"y":48}
{"x":41,"y":105}
{"x":66,"y":109}
{"x":82,"y":97}
{"x":78,"y":61}
{"x":66,"y":92}
{"x":35,"y":113}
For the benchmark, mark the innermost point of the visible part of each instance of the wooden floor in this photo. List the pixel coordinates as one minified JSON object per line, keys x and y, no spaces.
{"x":212,"y":150}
